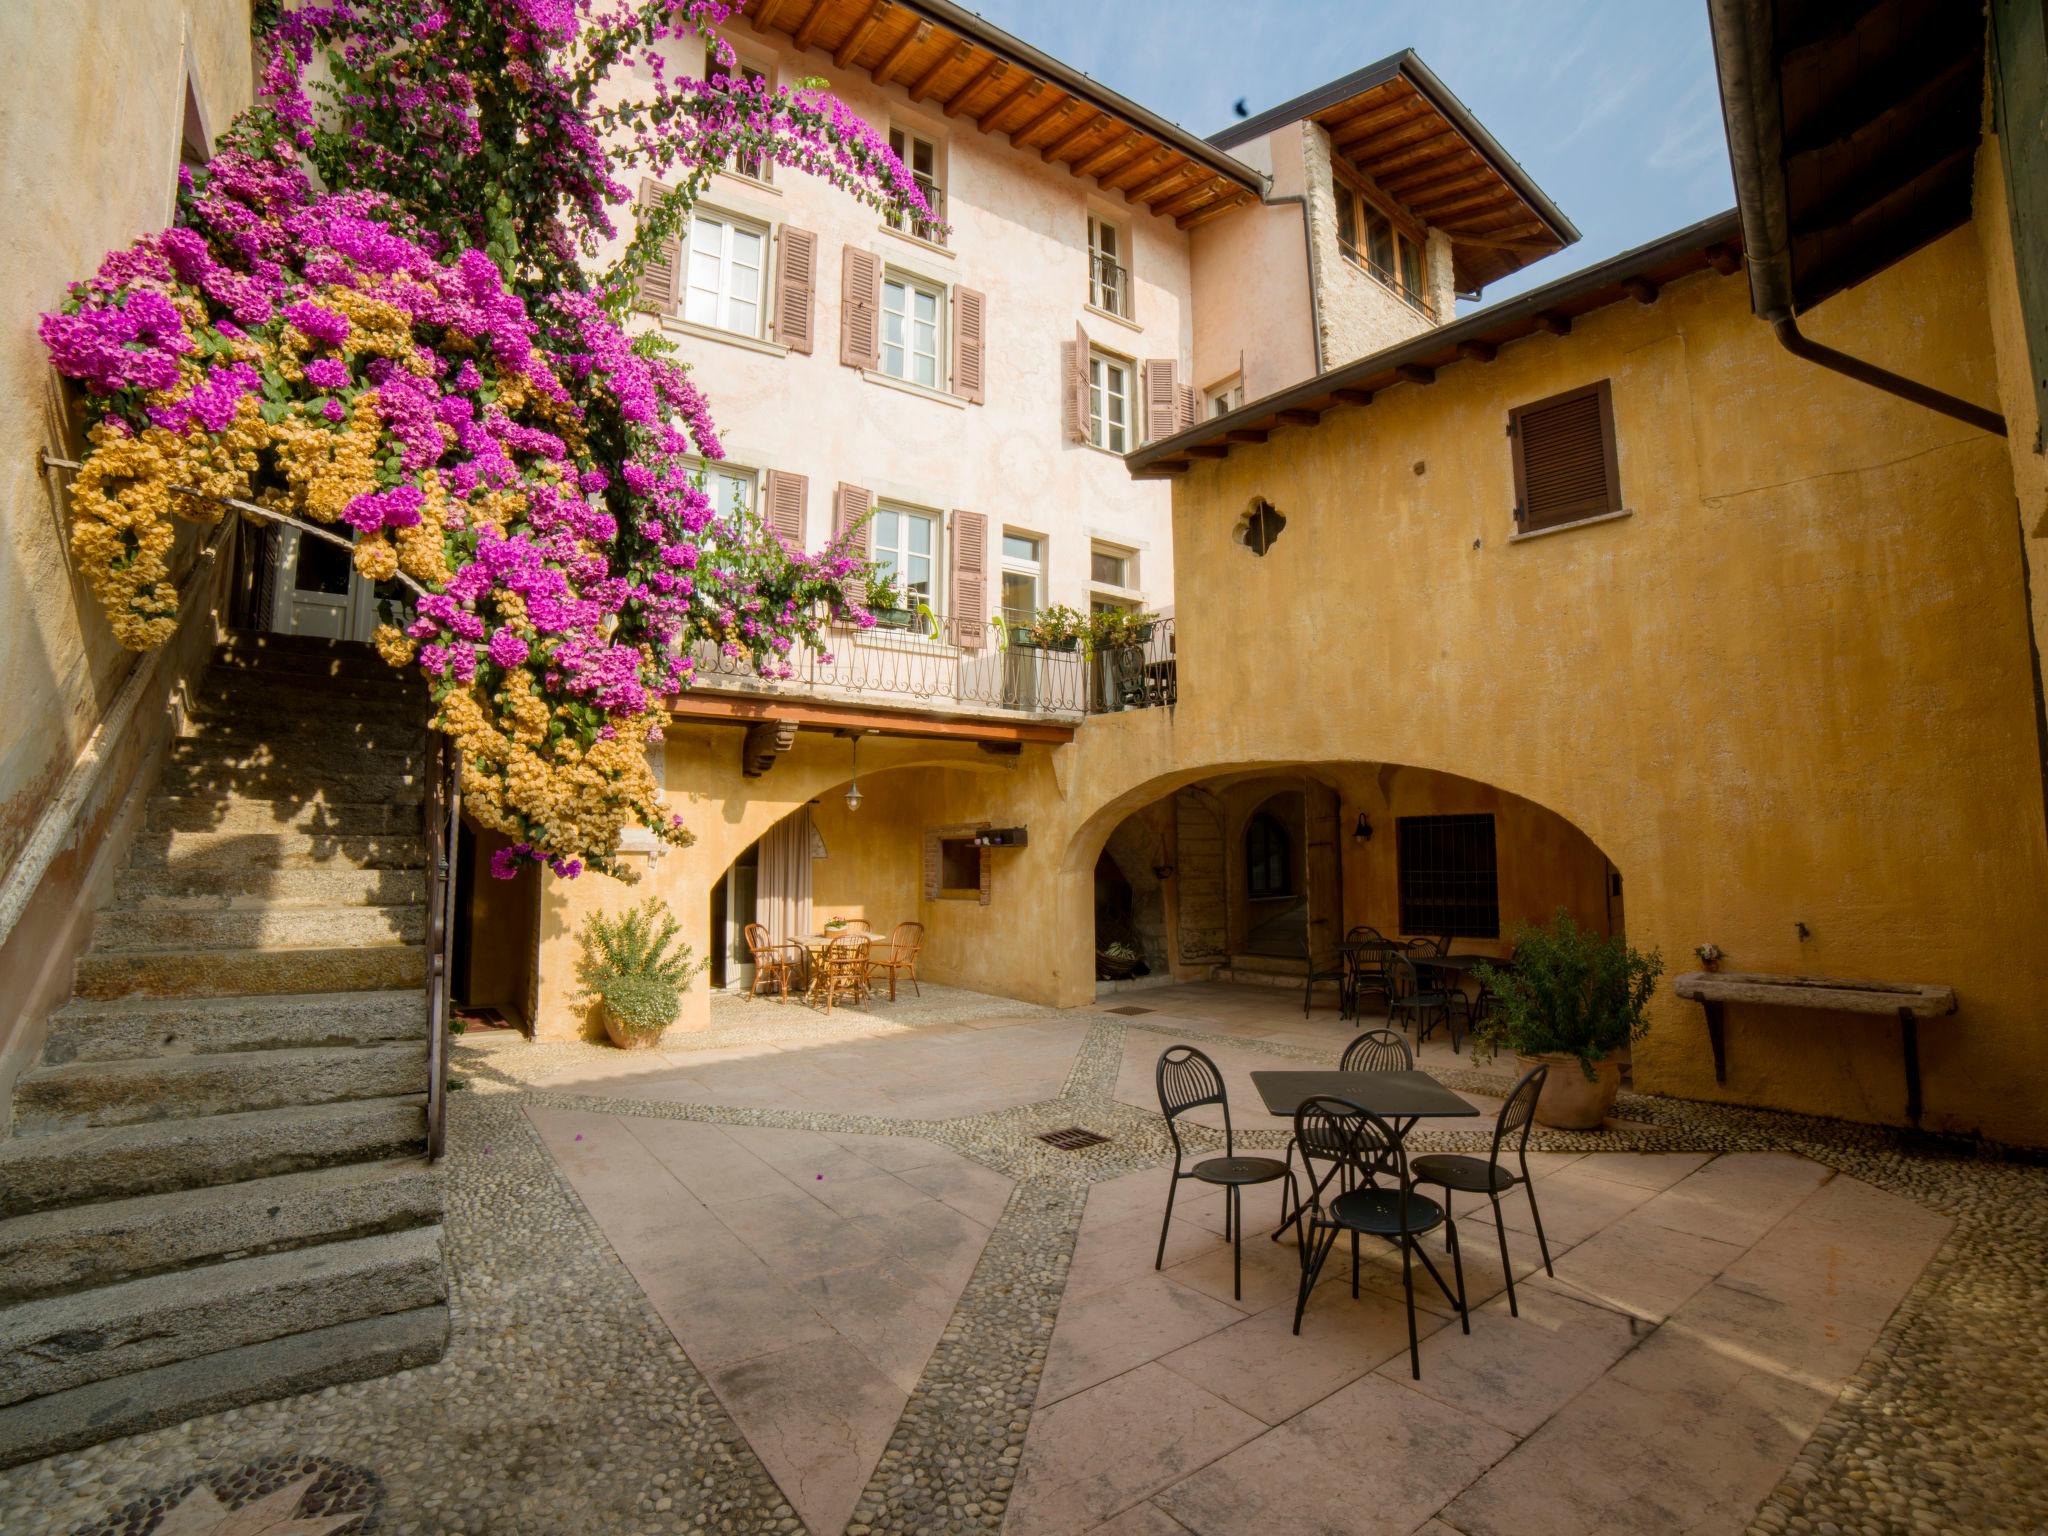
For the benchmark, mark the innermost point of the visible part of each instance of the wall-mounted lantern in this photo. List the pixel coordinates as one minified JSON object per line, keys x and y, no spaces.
{"x":1362,"y":833}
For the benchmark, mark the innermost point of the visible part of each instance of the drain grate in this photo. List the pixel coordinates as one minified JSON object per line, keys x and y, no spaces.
{"x":1131,"y":1011}
{"x":1072,"y":1139}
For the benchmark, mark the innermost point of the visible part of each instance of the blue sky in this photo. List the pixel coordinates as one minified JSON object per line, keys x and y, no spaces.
{"x":1609,"y":104}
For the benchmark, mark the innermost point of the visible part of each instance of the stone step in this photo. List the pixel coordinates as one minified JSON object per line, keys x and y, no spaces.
{"x":255,"y":927}
{"x":303,"y":758}
{"x":219,"y":812}
{"x":58,"y":1343}
{"x":303,"y":712}
{"x":285,"y":737}
{"x":123,"y":1161}
{"x":212,"y":888}
{"x":237,"y":850}
{"x":49,"y":1100}
{"x":376,"y":683}
{"x":74,"y":1248}
{"x":264,"y":649}
{"x":157,"y":1026}
{"x":254,"y":1373}
{"x":364,"y":778}
{"x":235,"y":972}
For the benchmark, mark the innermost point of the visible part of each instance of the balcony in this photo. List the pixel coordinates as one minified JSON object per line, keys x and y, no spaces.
{"x":932,"y":231}
{"x":1109,"y":286}
{"x":924,"y":666}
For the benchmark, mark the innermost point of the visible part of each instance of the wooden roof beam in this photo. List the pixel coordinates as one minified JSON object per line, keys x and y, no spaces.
{"x":1155,"y":185}
{"x":994,"y":69}
{"x":1422,"y":130}
{"x":807,"y":29}
{"x":1213,"y":211}
{"x":1724,"y":259}
{"x":1053,"y":113}
{"x":1246,"y":435}
{"x":1403,"y":109}
{"x":1486,"y":200}
{"x":1352,"y":396}
{"x":916,"y":37}
{"x":958,"y":53}
{"x":1641,"y":289}
{"x":1131,"y":145}
{"x":701,"y":706}
{"x":1429,"y":171}
{"x":1189,"y":200}
{"x":1478,"y":351}
{"x":1071,"y":137}
{"x":762,"y":17}
{"x":1552,"y":323}
{"x":1415,"y":373}
{"x":1031,"y":86}
{"x":1297,"y":417}
{"x":1159,"y":156}
{"x":876,"y":13}
{"x":1208,"y":451}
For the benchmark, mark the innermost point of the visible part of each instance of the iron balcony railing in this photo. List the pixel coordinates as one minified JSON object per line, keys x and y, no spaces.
{"x":933,"y":230}
{"x":441,"y":823}
{"x":1387,"y":277}
{"x":987,"y":667}
{"x":1109,"y":286}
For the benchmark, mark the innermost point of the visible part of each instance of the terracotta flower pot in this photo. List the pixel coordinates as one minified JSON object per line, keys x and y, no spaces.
{"x":1568,"y":1102}
{"x":627,"y":1039}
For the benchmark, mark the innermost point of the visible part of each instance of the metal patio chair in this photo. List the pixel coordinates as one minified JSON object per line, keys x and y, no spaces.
{"x":1486,"y":1176}
{"x":1187,"y":1079}
{"x":1408,"y":1002}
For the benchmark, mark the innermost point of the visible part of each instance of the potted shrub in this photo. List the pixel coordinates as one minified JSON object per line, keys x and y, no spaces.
{"x":886,"y":602}
{"x":1576,"y":1001}
{"x":1117,"y":628}
{"x":1058,"y":628}
{"x":634,"y":969}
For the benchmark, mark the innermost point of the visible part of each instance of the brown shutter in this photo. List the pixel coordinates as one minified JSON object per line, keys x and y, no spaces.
{"x":1074,"y":386}
{"x":1162,"y":399}
{"x":783,"y":501}
{"x":1190,"y":406}
{"x":796,"y":287}
{"x":860,"y":309}
{"x":970,"y":580}
{"x":850,"y":504}
{"x":1564,"y":455}
{"x":969,"y":312}
{"x":931,"y":865}
{"x":658,"y":280}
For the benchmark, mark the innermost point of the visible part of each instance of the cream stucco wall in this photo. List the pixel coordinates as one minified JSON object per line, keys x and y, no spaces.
{"x":1254,"y":316}
{"x":89,"y":146}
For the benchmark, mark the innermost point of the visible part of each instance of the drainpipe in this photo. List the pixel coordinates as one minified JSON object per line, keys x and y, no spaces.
{"x":1786,"y":328}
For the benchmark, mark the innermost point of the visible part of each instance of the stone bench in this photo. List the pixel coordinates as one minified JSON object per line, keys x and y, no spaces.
{"x":1906,"y":1001}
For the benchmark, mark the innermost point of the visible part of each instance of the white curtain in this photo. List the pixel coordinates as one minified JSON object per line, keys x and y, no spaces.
{"x":782,"y":892}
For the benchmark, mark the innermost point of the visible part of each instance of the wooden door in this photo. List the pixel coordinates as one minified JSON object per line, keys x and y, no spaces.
{"x":1201,"y":881}
{"x":1323,"y":872}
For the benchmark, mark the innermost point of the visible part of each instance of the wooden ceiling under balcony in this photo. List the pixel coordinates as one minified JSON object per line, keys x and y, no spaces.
{"x":949,"y":59}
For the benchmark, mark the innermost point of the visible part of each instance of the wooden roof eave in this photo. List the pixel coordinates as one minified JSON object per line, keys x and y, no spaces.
{"x":1708,"y":245}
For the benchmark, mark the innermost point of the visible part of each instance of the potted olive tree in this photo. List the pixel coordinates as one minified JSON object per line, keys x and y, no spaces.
{"x":1575,"y":1001}
{"x":634,"y":970}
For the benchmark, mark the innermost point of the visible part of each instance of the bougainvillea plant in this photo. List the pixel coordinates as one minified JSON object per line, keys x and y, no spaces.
{"x":382,"y":310}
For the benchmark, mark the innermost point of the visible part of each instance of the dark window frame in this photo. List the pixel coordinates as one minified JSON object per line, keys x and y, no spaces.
{"x":1275,"y":857}
{"x":1448,"y":874}
{"x":1531,"y":519}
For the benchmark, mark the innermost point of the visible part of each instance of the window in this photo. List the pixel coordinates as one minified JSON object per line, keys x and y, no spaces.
{"x":1390,"y":253}
{"x":1110,"y":567}
{"x":1449,"y":883}
{"x":731,"y":489}
{"x":1109,"y":402}
{"x":1565,"y":464}
{"x":906,"y":548}
{"x":1225,"y":397}
{"x":911,"y":313}
{"x":726,"y":260}
{"x":959,"y":866}
{"x":1109,"y":280}
{"x":1347,"y":219}
{"x":1268,"y":859}
{"x":1411,"y":271}
{"x":751,"y":163}
{"x":1023,"y":576}
{"x":921,"y":157}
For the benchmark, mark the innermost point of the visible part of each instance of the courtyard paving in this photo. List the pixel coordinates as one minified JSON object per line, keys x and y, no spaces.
{"x":807,"y":1274}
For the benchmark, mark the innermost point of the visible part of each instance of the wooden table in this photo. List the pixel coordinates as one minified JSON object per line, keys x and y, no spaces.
{"x":1910,"y":1001}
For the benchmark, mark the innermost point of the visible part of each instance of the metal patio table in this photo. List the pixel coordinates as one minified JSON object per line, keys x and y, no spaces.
{"x":1399,"y":1098}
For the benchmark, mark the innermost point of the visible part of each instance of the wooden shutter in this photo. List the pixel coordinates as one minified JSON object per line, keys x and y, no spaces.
{"x":970,"y":580}
{"x":860,"y":309}
{"x":1162,"y":399}
{"x":658,"y":281}
{"x":850,"y":505}
{"x":931,"y":864}
{"x":796,"y":287}
{"x":783,"y":500}
{"x":969,"y":315}
{"x":1565,"y":466}
{"x":1190,"y":406}
{"x":1074,"y":386}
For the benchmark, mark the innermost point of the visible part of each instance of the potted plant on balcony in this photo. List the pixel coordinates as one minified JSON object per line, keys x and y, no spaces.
{"x":1058,"y":628}
{"x":1117,"y":628}
{"x":634,"y":970}
{"x":886,"y":602}
{"x":1576,"y":1001}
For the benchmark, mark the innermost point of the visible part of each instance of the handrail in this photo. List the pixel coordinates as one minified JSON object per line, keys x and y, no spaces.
{"x":442,"y":818}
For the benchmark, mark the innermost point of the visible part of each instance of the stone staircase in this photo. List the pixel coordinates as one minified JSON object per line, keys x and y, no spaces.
{"x":215,"y":1190}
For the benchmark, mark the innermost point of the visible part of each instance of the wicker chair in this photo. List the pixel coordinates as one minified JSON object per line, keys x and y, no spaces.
{"x":904,"y":942}
{"x":775,"y":965}
{"x":844,"y":968}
